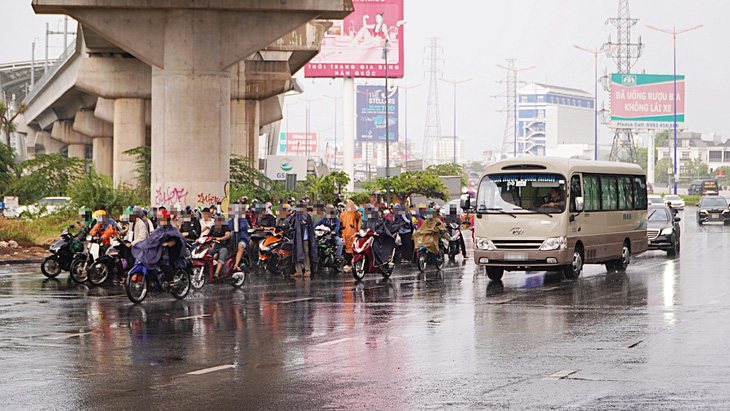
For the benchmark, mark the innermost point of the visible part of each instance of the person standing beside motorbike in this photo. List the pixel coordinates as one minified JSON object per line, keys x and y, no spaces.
{"x":305,"y":246}
{"x":331,"y":221}
{"x":350,"y":219}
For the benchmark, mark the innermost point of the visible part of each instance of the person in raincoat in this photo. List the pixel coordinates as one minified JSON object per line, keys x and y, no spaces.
{"x":350,"y":219}
{"x":305,"y":243}
{"x":428,"y":234}
{"x":384,"y":243}
{"x":163,"y":249}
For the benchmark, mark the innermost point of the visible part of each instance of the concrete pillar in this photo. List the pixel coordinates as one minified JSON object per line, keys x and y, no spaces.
{"x":348,"y":145}
{"x":77,"y":142}
{"x":101,"y":143}
{"x":129,"y":133}
{"x":191,"y":100}
{"x":245,"y":129}
{"x":50,"y":146}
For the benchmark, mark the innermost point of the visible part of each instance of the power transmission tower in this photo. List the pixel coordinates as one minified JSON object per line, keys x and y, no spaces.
{"x":432,"y":132}
{"x":509,"y":142}
{"x":625,"y":54}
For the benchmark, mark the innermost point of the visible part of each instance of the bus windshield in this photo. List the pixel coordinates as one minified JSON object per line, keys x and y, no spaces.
{"x":522,"y":192}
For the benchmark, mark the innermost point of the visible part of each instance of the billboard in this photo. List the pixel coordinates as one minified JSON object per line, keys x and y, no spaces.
{"x":277,"y":167}
{"x":353,"y":47}
{"x":371,"y":106}
{"x":298,"y":144}
{"x":645,"y":101}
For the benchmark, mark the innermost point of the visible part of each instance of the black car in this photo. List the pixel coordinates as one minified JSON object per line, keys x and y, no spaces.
{"x":713,"y":209}
{"x":704,"y":187}
{"x":663,"y":229}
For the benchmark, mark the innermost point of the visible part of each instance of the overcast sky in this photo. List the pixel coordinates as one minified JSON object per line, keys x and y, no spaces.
{"x":476,"y":35}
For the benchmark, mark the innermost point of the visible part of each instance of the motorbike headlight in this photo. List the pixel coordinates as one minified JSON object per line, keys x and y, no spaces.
{"x":483,"y":243}
{"x":667,"y":231}
{"x":554,"y":243}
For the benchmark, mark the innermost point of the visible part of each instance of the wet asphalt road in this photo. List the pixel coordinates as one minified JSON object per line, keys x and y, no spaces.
{"x":653,"y":338}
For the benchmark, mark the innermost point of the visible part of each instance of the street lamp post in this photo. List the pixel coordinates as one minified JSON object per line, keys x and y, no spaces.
{"x":309,"y":106}
{"x":387,"y":133}
{"x":287,"y":123}
{"x":335,"y":156}
{"x":595,"y":53}
{"x":406,"y":88}
{"x":514,"y":72}
{"x":455,"y":83}
{"x":674,"y":32}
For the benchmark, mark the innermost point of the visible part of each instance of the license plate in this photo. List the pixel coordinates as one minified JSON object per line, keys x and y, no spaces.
{"x":515,"y":256}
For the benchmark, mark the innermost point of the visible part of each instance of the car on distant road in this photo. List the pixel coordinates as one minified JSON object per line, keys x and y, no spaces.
{"x":655,"y":199}
{"x":713,"y":209}
{"x":663,"y":229}
{"x":649,"y":188}
{"x":676,"y":202}
{"x":704,"y":187}
{"x":49,"y":203}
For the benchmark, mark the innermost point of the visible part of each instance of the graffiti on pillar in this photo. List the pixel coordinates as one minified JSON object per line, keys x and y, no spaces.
{"x":171,"y":195}
{"x":208,"y":199}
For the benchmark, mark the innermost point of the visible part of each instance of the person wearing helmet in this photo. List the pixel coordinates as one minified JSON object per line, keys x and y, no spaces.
{"x":384,"y":242}
{"x":164,"y":249}
{"x":331,"y":221}
{"x":340,"y":200}
{"x":190,"y":227}
{"x":267,"y":219}
{"x":104,"y":227}
{"x":85,"y":223}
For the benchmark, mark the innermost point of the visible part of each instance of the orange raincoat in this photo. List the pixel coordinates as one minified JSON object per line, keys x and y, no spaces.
{"x":350,"y":216}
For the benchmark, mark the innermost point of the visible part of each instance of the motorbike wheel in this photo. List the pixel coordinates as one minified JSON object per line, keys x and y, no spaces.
{"x":358,"y":269}
{"x":77,"y":271}
{"x":238,"y":278}
{"x":50,"y":266}
{"x":136,"y":287}
{"x":440,"y":259}
{"x":181,"y":284}
{"x":422,"y":261}
{"x":98,"y":273}
{"x":199,"y":277}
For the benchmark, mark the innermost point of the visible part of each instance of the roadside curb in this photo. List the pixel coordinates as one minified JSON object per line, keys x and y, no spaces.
{"x":22,"y":261}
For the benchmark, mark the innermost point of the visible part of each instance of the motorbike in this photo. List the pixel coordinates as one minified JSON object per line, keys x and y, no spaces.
{"x":276,"y":253}
{"x":204,"y":264}
{"x":83,"y":261}
{"x":425,"y":257}
{"x":327,"y":249}
{"x":363,"y":261}
{"x":62,"y":254}
{"x":140,"y":280}
{"x":110,"y":264}
{"x":252,"y":255}
{"x":454,"y":240}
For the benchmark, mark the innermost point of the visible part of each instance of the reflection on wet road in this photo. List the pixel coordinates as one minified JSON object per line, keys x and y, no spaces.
{"x":655,"y":337}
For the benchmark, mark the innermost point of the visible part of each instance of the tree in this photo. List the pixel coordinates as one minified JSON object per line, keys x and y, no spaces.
{"x":661,"y":175}
{"x":425,"y":183}
{"x":247,"y":181}
{"x":9,"y":170}
{"x":47,"y":175}
{"x":94,"y":189}
{"x":7,"y":120}
{"x":448,"y":169}
{"x":340,"y":179}
{"x":359,"y":198}
{"x":143,"y":169}
{"x":642,"y":157}
{"x":695,"y":168}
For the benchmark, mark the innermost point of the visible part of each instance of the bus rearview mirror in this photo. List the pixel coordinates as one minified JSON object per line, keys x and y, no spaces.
{"x":579,"y":204}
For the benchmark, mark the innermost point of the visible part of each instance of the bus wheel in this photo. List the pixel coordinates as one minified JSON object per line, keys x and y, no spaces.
{"x":572,"y":271}
{"x":620,"y":265}
{"x":495,"y":273}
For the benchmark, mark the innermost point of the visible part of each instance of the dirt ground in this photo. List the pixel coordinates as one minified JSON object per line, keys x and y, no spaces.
{"x":22,"y":253}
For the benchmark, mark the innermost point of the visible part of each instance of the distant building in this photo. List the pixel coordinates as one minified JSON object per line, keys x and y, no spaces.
{"x":708,"y":148}
{"x":444,"y":150}
{"x":554,"y":121}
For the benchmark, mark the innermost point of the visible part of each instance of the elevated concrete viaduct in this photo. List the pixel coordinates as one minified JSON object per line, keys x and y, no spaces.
{"x":204,"y":76}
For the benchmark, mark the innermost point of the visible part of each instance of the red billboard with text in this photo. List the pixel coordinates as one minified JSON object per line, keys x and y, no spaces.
{"x":298,"y":144}
{"x":353,"y":47}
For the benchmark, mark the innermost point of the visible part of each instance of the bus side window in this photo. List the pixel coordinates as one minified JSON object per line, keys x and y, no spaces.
{"x":592,"y":193}
{"x":575,"y":191}
{"x":639,"y":193}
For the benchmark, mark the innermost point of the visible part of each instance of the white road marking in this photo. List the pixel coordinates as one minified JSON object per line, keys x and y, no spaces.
{"x":192,"y":317}
{"x":333,"y":342}
{"x":296,"y":301}
{"x":212,"y":369}
{"x":630,"y":344}
{"x":64,"y":336}
{"x":506,"y":300}
{"x":562,"y":374}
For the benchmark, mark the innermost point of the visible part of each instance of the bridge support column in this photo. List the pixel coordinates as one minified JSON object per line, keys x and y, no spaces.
{"x":102,"y":154}
{"x":245,"y":129}
{"x":101,"y":140}
{"x":77,"y":142}
{"x":129,"y":133}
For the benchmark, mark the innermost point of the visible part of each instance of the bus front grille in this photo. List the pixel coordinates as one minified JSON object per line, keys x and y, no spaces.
{"x":517,"y":244}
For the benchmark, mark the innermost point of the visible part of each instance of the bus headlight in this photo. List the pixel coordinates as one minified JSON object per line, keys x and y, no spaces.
{"x":667,"y":231}
{"x":485,"y":244}
{"x":554,"y":243}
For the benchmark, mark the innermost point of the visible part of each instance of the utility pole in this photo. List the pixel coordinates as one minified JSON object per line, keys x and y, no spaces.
{"x":387,"y":133}
{"x":289,"y":104}
{"x":674,"y":32}
{"x":309,"y":106}
{"x":406,"y":88}
{"x":595,"y":53}
{"x":455,"y":83}
{"x":32,"y":64}
{"x":513,"y":85}
{"x":625,"y":53}
{"x":335,"y":156}
{"x":432,"y":131}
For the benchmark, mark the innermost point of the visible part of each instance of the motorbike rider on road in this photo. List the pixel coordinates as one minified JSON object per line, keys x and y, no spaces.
{"x":331,"y":221}
{"x":221,"y":233}
{"x":384,"y":243}
{"x":236,"y":211}
{"x":454,"y":217}
{"x":163,"y":249}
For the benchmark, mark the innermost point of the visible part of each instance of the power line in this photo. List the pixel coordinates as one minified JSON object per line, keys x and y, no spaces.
{"x":432,"y":131}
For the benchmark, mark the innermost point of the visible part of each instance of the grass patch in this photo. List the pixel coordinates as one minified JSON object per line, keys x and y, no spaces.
{"x":42,"y":231}
{"x":691,"y":200}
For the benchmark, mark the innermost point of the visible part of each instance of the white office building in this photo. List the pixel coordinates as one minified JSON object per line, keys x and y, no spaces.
{"x":444,"y":150}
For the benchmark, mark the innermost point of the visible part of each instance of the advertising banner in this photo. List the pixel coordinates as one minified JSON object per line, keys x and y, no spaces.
{"x":277,"y":167}
{"x":646,"y":101}
{"x":353,"y":47}
{"x":298,"y":144}
{"x":371,"y":106}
